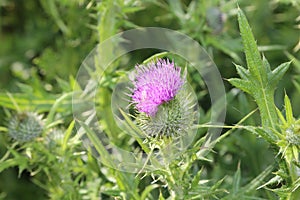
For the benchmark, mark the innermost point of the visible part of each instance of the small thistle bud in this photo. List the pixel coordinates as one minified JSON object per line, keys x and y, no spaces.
{"x":293,"y":134}
{"x":26,"y":126}
{"x":162,"y":98}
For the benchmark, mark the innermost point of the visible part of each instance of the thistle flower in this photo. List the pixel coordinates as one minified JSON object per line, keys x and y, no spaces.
{"x":155,"y":84}
{"x":289,"y":135}
{"x":25,"y":126}
{"x":165,"y":105}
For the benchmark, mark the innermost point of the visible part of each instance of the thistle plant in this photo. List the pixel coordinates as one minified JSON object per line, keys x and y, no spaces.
{"x":162,"y":99}
{"x":283,"y":134}
{"x":49,"y":152}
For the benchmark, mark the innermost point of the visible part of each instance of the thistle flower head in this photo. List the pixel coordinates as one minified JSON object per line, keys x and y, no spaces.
{"x":154,"y":84}
{"x":163,"y":99}
{"x":25,"y":126}
{"x":289,"y":140}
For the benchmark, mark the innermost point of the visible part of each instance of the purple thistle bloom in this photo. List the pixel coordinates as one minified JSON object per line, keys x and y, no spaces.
{"x":155,"y":84}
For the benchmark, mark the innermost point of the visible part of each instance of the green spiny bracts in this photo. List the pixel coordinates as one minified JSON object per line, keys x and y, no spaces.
{"x":173,"y":118}
{"x":293,"y":134}
{"x":25,"y":126}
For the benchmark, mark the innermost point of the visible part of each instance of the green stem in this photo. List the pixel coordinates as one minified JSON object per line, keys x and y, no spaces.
{"x":176,"y":190}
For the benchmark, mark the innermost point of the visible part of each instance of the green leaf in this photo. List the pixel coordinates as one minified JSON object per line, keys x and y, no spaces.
{"x":241,"y":84}
{"x":276,"y":75}
{"x":135,"y":131}
{"x":196,"y":179}
{"x":267,"y":134}
{"x":295,"y":61}
{"x":156,"y":57}
{"x":107,"y":25}
{"x":56,"y":105}
{"x":281,"y":117}
{"x":266,"y":64}
{"x":3,"y":129}
{"x":244,"y":74}
{"x":7,"y":164}
{"x":242,"y":192}
{"x":253,"y":57}
{"x":259,"y":179}
{"x":67,"y":136}
{"x":38,"y":104}
{"x":176,"y":8}
{"x":225,"y":46}
{"x":105,"y":156}
{"x":288,"y":110}
{"x":260,"y":82}
{"x":52,"y":10}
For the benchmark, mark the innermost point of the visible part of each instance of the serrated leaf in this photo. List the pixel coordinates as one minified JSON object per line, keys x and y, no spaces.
{"x":244,"y":73}
{"x":276,"y":75}
{"x":253,"y":57}
{"x":261,"y":83}
{"x":267,"y":134}
{"x":241,"y":84}
{"x":266,"y":64}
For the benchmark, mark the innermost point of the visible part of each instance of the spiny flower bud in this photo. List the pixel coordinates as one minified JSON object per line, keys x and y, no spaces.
{"x":293,"y":133}
{"x":26,"y":126}
{"x":165,"y":105}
